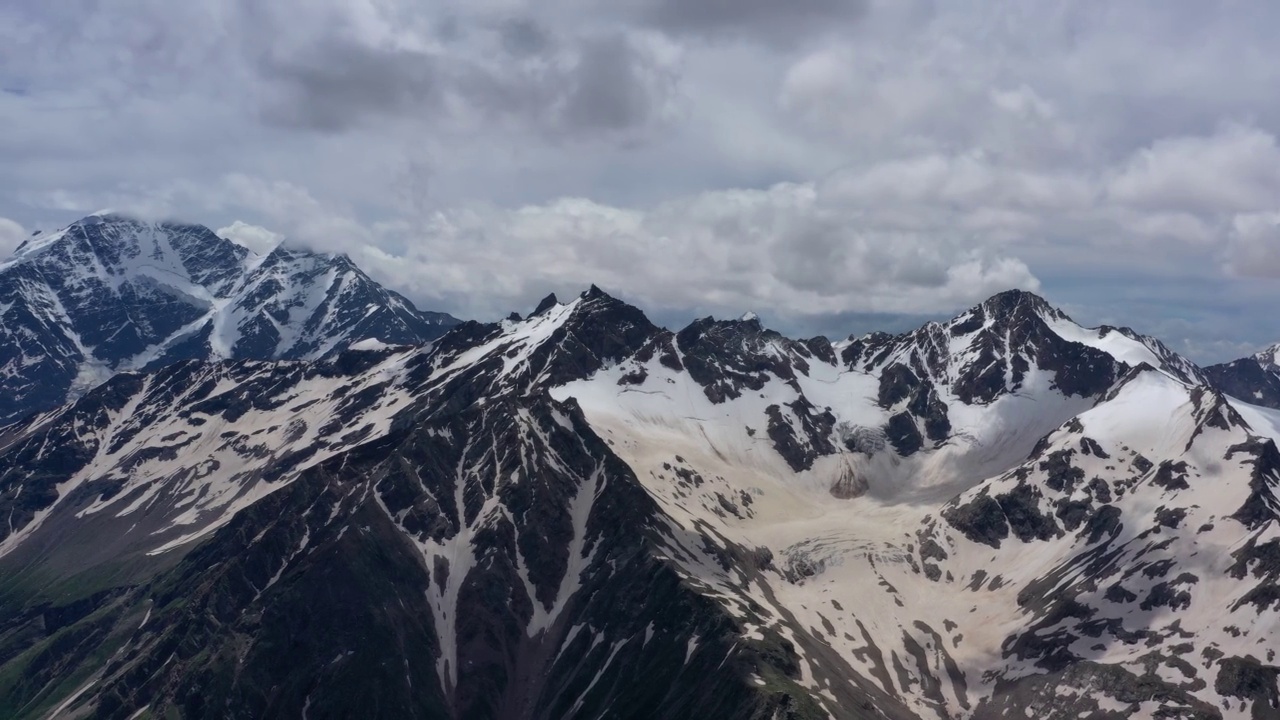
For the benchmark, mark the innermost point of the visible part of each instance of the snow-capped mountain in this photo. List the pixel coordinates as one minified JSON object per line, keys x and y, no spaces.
{"x":109,"y":293}
{"x":1128,"y":565}
{"x":1254,"y":379}
{"x":1269,"y":358}
{"x":579,"y":514}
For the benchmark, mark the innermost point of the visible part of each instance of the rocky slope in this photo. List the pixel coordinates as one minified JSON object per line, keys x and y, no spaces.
{"x":581,"y":515}
{"x":1255,"y":379}
{"x":110,"y":293}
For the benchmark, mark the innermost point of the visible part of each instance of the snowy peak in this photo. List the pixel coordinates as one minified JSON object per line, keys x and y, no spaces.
{"x":972,"y":394}
{"x":111,"y":293}
{"x":598,"y":330}
{"x":558,"y":343}
{"x":116,"y":248}
{"x":1139,"y":532}
{"x":731,"y":357}
{"x":1254,"y":379}
{"x":496,"y":542}
{"x":295,"y":305}
{"x":989,"y":350}
{"x":1269,"y":358}
{"x":1016,"y":306}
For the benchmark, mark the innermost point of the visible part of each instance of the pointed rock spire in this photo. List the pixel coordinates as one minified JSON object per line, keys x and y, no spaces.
{"x":547,"y":303}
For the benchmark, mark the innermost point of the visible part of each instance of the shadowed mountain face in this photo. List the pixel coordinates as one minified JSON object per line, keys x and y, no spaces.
{"x":110,"y":293}
{"x":1255,"y":379}
{"x":582,"y":515}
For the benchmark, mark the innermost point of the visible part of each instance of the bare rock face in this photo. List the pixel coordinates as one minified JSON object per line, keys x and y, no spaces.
{"x":1255,"y":379}
{"x":849,"y":486}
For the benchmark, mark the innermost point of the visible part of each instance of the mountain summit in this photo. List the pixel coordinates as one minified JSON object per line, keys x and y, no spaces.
{"x":110,"y":293}
{"x":1254,"y":379}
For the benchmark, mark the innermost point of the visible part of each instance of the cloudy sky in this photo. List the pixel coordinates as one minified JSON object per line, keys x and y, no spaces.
{"x":831,"y":164}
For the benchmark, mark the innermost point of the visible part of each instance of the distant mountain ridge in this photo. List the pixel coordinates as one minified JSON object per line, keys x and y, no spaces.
{"x":109,"y":293}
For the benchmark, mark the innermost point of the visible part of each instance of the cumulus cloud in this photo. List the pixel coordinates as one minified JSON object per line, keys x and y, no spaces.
{"x":254,"y":237}
{"x":1237,"y":168}
{"x":335,"y":84}
{"x":11,"y":236}
{"x":787,"y":247}
{"x":1254,"y":245}
{"x":335,"y":67}
{"x":919,"y":235}
{"x":610,"y":83}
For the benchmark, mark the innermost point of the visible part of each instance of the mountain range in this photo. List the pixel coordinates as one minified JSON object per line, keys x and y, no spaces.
{"x":263,"y":486}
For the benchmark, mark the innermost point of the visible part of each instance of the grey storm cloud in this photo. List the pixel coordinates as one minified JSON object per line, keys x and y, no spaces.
{"x":767,"y":20}
{"x":818,"y":161}
{"x":608,"y":87}
{"x":588,"y":84}
{"x":523,"y":36}
{"x":335,"y":83}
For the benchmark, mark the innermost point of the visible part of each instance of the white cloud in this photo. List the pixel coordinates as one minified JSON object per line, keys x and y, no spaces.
{"x":972,"y":179}
{"x":782,"y":247}
{"x":1234,"y":169}
{"x":1023,"y":102}
{"x":11,"y":236}
{"x":1253,"y":248}
{"x":254,"y":237}
{"x":917,"y":234}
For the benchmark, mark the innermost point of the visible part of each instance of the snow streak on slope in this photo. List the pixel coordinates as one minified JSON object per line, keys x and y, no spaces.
{"x":171,"y":456}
